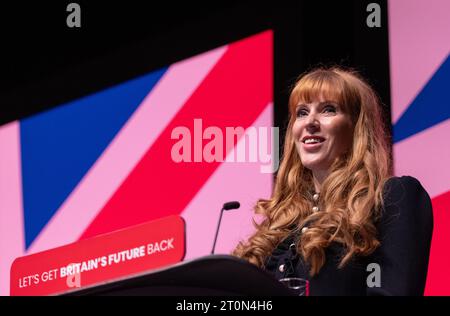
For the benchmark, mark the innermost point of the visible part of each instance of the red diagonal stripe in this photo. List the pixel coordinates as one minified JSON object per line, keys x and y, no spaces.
{"x":438,"y":278}
{"x":234,"y":93}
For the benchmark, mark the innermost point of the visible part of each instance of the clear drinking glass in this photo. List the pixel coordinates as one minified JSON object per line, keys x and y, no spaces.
{"x":298,"y":286}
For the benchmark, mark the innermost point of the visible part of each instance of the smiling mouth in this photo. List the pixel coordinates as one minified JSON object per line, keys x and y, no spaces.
{"x":313,"y":140}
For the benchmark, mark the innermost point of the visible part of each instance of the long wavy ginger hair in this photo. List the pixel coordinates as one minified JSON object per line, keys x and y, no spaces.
{"x":351,"y":196}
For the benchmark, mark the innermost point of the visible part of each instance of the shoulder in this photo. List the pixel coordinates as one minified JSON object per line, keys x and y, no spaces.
{"x":403,"y":189}
{"x":396,"y":185}
{"x":406,"y":198}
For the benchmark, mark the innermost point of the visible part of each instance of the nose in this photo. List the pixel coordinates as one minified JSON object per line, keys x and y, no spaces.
{"x":312,"y":123}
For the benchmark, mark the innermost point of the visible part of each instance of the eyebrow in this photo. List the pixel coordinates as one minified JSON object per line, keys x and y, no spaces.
{"x":320,"y":104}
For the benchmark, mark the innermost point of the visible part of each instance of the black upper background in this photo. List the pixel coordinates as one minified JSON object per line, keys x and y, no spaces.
{"x":44,"y":63}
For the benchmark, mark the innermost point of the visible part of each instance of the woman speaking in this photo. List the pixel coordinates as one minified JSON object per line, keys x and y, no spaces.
{"x":336,"y":216}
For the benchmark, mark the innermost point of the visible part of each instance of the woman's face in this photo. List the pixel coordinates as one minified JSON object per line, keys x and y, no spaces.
{"x":322,"y":132}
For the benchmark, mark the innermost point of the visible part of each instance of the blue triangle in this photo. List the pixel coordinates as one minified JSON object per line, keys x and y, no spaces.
{"x":430,"y":107}
{"x":59,"y":146}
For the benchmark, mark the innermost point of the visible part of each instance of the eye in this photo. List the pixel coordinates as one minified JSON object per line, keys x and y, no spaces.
{"x":329,"y":109}
{"x":302,"y":112}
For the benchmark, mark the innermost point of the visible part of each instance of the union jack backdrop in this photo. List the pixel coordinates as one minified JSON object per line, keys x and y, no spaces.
{"x":103,"y":162}
{"x":419,"y":33}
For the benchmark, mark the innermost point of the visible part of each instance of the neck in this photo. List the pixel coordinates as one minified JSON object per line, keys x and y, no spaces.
{"x":319,"y":177}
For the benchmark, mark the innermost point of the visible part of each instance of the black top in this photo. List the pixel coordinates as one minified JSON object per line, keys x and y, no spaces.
{"x":404,"y":231}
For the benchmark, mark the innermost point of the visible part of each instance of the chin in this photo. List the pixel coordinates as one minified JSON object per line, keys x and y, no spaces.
{"x":315,"y":164}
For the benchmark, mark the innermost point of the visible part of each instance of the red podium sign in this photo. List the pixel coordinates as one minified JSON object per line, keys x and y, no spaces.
{"x":100,"y":259}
